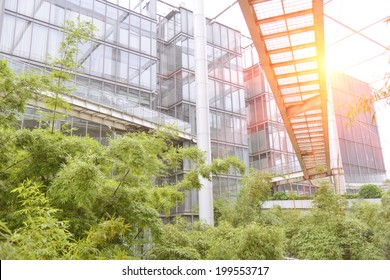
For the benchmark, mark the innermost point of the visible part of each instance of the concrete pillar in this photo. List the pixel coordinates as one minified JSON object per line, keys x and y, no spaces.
{"x":206,"y":211}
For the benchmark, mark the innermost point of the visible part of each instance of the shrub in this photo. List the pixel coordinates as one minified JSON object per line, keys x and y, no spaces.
{"x":280,"y":196}
{"x":350,"y":196}
{"x":370,"y":191}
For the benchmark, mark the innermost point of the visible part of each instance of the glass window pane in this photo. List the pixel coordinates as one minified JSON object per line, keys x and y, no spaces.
{"x":154,"y":76}
{"x":97,"y":61}
{"x":124,"y":34}
{"x":228,"y":98}
{"x":123,"y":62}
{"x":124,"y":3}
{"x":236,"y":100}
{"x":39,"y":42}
{"x":42,"y":9}
{"x":229,"y":128}
{"x":73,"y":12}
{"x":154,"y":38}
{"x":94,"y":130}
{"x":11,"y":5}
{"x":135,"y":23}
{"x":7,"y":33}
{"x":191,"y":59}
{"x":26,"y":7}
{"x":145,"y":72}
{"x":22,"y":41}
{"x":211,"y":92}
{"x":224,"y":37}
{"x":237,"y":130}
{"x":192,"y":89}
{"x":79,"y":127}
{"x":145,"y":36}
{"x":216,"y":34}
{"x":109,"y":63}
{"x":57,"y":15}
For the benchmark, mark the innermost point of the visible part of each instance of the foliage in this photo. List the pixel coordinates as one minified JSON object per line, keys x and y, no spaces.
{"x":92,"y":207}
{"x":15,"y":90}
{"x":280,"y":196}
{"x":255,"y":189}
{"x":327,"y":232}
{"x":103,"y":241}
{"x":365,"y":103}
{"x":217,"y":166}
{"x":250,"y":242}
{"x":195,"y":241}
{"x":42,"y":235}
{"x":41,"y":153}
{"x":64,"y":66}
{"x":370,"y":191}
{"x":77,"y":199}
{"x":176,"y":244}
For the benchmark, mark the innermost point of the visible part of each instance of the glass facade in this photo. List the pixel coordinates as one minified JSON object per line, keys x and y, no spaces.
{"x":360,"y":147}
{"x":32,"y":118}
{"x":121,"y":60}
{"x":143,"y":63}
{"x":228,"y":123}
{"x":270,"y":146}
{"x":271,"y":149}
{"x":138,"y":59}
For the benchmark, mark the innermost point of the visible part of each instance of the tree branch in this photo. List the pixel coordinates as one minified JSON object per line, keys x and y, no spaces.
{"x":120,"y":183}
{"x":12,"y":165}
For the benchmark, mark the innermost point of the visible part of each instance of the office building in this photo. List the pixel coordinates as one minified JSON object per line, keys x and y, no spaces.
{"x":359,"y":153}
{"x":139,"y":72}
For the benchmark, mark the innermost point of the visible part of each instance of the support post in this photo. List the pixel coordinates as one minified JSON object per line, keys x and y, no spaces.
{"x":206,"y":210}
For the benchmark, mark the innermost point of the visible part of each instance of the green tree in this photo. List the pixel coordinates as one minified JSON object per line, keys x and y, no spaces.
{"x":15,"y":90}
{"x":176,"y":243}
{"x":327,"y":232}
{"x":255,"y":189}
{"x":103,"y":241}
{"x":280,"y":196}
{"x":42,"y":235}
{"x":65,"y":66}
{"x":370,"y":191}
{"x":384,"y":224}
{"x":253,"y":241}
{"x":377,"y":218}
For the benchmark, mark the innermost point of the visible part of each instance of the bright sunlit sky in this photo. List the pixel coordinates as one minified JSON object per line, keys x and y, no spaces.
{"x":366,"y":58}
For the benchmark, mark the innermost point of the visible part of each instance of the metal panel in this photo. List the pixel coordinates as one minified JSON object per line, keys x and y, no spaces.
{"x":289,"y":38}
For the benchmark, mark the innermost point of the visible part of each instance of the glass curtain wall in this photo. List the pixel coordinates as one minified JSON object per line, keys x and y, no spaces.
{"x":271,"y":149}
{"x":270,"y":146}
{"x":32,"y":118}
{"x":360,"y":146}
{"x":122,"y":60}
{"x":228,"y":124}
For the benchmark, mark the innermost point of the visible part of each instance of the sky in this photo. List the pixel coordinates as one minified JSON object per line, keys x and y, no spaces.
{"x":364,"y":57}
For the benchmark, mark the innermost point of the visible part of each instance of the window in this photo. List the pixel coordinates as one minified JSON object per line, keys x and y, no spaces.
{"x":145,"y":36}
{"x":22,"y":41}
{"x":7,"y":34}
{"x":135,"y":23}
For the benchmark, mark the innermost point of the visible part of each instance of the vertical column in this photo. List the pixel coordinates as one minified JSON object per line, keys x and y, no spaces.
{"x":206,"y":211}
{"x":1,"y":14}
